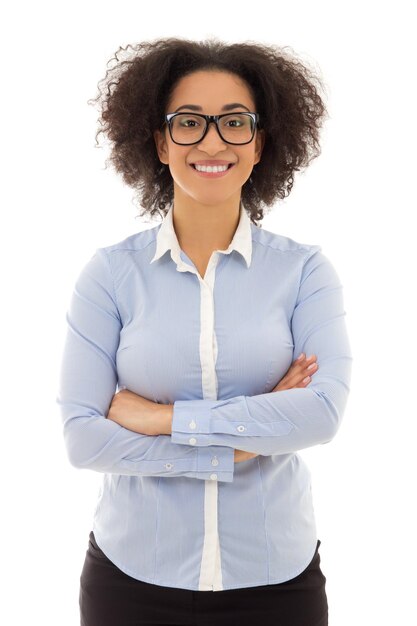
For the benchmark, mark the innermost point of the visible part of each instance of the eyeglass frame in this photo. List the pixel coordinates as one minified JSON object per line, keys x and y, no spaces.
{"x":209,"y":119}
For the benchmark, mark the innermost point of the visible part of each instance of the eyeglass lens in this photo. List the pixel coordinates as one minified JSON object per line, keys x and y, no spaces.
{"x":234,"y":128}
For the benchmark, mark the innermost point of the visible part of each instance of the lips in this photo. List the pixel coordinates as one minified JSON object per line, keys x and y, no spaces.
{"x":212,"y":164}
{"x":212,"y":174}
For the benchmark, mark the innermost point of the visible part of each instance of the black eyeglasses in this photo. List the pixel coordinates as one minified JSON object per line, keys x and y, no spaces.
{"x":186,"y":129}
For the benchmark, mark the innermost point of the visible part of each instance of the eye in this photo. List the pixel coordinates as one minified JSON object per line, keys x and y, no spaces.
{"x":187,"y":122}
{"x":232,"y":121}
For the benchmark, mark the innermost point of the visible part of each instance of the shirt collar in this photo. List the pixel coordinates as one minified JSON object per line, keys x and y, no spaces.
{"x":166,"y":238}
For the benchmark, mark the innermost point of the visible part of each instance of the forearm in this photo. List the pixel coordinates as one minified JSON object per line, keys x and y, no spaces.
{"x":88,"y":378}
{"x":294,"y":419}
{"x":164,"y":419}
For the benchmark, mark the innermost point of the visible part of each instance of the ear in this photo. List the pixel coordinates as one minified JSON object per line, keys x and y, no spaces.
{"x":161,"y":146}
{"x":259,"y":144}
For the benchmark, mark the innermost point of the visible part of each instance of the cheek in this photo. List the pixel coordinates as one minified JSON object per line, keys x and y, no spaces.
{"x":178,"y":167}
{"x":181,"y":173}
{"x":246,"y":168}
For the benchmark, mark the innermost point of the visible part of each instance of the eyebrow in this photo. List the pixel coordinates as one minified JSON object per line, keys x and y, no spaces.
{"x":226,"y":107}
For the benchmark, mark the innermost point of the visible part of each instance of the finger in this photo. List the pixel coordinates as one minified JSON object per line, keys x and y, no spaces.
{"x":297,"y":374}
{"x":303,"y":357}
{"x":291,"y":380}
{"x":309,"y":359}
{"x":305,"y":376}
{"x":303,"y":368}
{"x":308,"y":373}
{"x":301,"y":378}
{"x":310,"y":369}
{"x":299,"y":369}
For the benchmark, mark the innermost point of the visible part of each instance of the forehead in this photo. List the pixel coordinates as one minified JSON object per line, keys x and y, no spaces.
{"x":211,"y":88}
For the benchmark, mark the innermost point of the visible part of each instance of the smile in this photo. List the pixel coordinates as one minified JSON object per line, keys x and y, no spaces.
{"x":209,"y":173}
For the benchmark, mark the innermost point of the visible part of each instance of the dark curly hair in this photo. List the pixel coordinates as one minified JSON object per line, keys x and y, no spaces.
{"x":138,"y":86}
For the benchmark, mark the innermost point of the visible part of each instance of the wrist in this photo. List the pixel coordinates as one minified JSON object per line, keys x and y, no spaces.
{"x":165,"y":418}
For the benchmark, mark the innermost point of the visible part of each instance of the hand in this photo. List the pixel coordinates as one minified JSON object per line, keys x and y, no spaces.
{"x":294,"y":378}
{"x":241,"y":455}
{"x":296,"y":374}
{"x":135,"y":413}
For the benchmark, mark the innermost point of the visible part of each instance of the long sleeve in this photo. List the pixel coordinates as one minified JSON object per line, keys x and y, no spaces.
{"x":285,"y":421}
{"x":88,"y":379}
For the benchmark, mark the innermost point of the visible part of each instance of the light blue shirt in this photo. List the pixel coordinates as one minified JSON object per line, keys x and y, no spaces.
{"x":175,"y":510}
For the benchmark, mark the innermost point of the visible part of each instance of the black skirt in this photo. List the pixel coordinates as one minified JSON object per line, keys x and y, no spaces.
{"x":109,"y":597}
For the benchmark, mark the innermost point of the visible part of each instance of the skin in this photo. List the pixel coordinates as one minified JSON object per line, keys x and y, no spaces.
{"x":150,"y":418}
{"x":206,"y":211}
{"x":205,"y":217}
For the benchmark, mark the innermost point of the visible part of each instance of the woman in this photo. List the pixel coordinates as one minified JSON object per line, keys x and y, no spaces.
{"x":227,"y":342}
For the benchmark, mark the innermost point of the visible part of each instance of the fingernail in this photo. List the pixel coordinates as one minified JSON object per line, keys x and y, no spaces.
{"x":306,"y":379}
{"x":301,"y":357}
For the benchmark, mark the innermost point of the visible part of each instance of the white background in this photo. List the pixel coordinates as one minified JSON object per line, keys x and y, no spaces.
{"x":357,"y":200}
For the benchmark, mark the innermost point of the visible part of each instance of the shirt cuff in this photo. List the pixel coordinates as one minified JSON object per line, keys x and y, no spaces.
{"x":197,"y":417}
{"x":216,"y":463}
{"x":209,"y":422}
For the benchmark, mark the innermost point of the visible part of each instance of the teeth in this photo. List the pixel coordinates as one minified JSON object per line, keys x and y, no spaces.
{"x":209,"y":168}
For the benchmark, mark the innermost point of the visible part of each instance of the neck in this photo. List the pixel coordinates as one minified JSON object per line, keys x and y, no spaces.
{"x":203,"y":228}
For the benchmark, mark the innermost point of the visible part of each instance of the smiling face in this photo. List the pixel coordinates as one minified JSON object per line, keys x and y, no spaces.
{"x":210,"y":90}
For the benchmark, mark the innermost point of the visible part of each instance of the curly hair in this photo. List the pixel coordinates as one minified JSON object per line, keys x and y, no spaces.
{"x":135,"y":91}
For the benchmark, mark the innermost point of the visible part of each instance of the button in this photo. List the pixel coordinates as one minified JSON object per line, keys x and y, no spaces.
{"x":213,"y":476}
{"x":241,"y":428}
{"x":215,"y":461}
{"x":169,"y":465}
{"x":192,"y":425}
{"x":192,"y":441}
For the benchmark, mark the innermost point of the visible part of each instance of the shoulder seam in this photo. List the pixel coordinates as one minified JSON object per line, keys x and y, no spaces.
{"x":300,"y":248}
{"x":121,"y":246}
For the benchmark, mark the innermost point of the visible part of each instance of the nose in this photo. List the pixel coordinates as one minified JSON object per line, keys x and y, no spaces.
{"x":212,"y":137}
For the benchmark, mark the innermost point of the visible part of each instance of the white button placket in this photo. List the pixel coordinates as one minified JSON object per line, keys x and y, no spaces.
{"x":210,"y":569}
